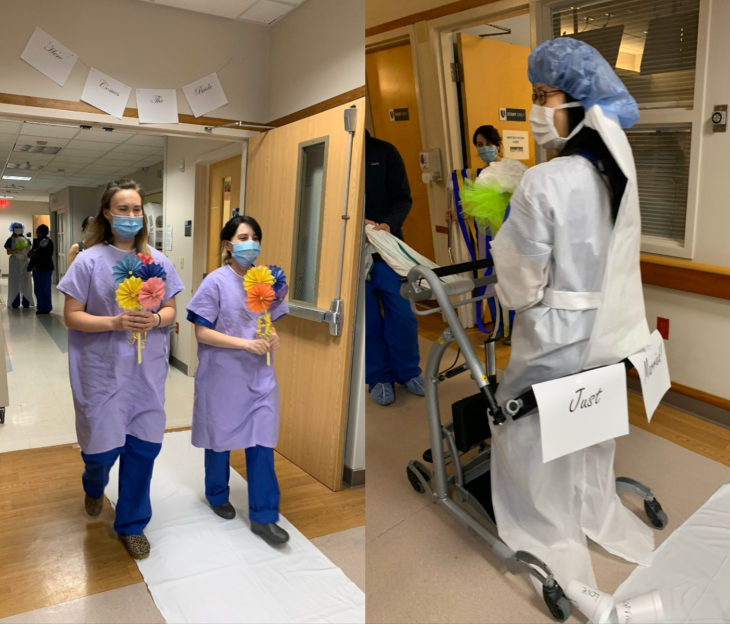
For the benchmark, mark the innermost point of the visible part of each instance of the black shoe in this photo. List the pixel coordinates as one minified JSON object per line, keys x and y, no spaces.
{"x":43,"y":311}
{"x":225,"y":511}
{"x":93,"y":506}
{"x":271,"y":533}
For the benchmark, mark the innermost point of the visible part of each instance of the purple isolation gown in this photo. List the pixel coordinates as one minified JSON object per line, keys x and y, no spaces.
{"x":114,"y":396}
{"x":236,"y":395}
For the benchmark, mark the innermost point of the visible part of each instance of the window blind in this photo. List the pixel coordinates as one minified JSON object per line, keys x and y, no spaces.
{"x":652,"y":45}
{"x":662,"y":168}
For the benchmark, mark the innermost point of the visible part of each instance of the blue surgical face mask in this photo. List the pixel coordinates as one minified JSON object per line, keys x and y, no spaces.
{"x":246,"y":252}
{"x":488,"y":153}
{"x":127,"y":227}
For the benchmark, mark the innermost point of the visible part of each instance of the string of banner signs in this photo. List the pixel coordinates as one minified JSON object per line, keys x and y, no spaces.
{"x":54,"y":60}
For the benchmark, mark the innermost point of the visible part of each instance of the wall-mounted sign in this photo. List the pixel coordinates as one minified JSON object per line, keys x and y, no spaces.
{"x":512,"y":114}
{"x":516,"y":144}
{"x":398,"y":114}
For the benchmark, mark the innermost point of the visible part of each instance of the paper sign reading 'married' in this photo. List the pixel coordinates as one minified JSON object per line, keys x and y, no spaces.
{"x":156,"y":105}
{"x":205,"y":95}
{"x":653,"y":372}
{"x":49,"y":57}
{"x":106,"y":93}
{"x":581,"y":410}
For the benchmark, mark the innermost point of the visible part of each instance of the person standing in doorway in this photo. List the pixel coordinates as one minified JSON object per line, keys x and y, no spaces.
{"x":41,"y":263}
{"x":119,"y":401}
{"x":19,"y":288}
{"x":391,"y":330}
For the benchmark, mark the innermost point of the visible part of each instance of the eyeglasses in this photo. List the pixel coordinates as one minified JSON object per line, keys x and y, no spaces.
{"x":541,"y":96}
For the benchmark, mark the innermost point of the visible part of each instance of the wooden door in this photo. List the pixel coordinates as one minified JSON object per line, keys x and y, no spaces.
{"x":223,"y":195}
{"x":389,"y":75}
{"x":495,"y":76}
{"x":312,"y":366}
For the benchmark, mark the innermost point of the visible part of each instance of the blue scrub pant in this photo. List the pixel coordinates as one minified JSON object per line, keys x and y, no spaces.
{"x":263,"y":488}
{"x":137,"y":458}
{"x":16,"y":302}
{"x":42,"y":290}
{"x":391,"y":335}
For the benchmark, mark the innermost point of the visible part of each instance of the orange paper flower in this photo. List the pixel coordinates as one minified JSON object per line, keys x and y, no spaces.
{"x":259,"y":298}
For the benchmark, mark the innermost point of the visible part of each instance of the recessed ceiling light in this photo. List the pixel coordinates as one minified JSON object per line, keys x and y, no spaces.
{"x":7,"y":197}
{"x":15,"y":178}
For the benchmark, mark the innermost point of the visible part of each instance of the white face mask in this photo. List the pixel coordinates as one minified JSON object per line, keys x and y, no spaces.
{"x":543,"y":126}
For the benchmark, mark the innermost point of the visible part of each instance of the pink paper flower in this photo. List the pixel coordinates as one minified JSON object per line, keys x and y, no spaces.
{"x":145,"y":258}
{"x":151,"y":294}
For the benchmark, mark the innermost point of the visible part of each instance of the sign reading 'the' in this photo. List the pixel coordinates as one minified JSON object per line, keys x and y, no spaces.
{"x":651,"y":363}
{"x":581,"y":410}
{"x":157,"y":105}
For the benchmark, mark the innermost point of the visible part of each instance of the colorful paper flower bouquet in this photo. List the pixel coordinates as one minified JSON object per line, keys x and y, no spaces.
{"x":263,"y":284}
{"x":141,"y":286}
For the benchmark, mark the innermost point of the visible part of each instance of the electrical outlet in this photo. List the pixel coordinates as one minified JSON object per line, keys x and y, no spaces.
{"x":662,"y":325}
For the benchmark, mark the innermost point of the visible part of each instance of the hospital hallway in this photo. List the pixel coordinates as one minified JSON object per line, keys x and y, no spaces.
{"x":411,"y":541}
{"x":59,"y":565}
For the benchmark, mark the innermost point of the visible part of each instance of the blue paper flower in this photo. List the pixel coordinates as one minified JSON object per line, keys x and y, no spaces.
{"x":145,"y":271}
{"x":279,"y":278}
{"x":126,"y":267}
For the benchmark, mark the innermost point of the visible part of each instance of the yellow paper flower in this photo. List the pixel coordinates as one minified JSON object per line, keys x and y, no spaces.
{"x":127,"y":293}
{"x":258,"y":275}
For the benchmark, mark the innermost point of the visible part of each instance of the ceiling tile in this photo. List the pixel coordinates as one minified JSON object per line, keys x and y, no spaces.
{"x":265,"y":11}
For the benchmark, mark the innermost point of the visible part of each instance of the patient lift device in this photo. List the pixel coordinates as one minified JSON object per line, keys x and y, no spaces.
{"x":459,"y":479}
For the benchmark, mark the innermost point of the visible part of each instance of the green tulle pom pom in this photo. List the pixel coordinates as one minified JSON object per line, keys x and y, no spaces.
{"x":486,"y":204}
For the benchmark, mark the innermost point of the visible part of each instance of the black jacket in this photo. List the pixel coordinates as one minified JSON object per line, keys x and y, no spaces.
{"x":41,"y":255}
{"x":387,"y":193}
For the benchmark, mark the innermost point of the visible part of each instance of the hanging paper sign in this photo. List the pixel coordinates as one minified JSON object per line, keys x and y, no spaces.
{"x":651,"y":363}
{"x":205,"y":95}
{"x":49,"y":57}
{"x":105,"y":93}
{"x":581,"y":410}
{"x":156,"y":105}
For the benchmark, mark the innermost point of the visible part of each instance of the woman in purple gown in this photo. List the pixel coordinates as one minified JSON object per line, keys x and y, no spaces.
{"x":236,"y":395}
{"x":119,"y":402}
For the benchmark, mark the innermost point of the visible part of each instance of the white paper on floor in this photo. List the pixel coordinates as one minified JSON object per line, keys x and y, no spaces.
{"x":691,"y":568}
{"x":205,"y":569}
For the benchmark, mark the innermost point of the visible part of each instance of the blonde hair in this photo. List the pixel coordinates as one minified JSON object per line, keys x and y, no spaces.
{"x":100,"y":228}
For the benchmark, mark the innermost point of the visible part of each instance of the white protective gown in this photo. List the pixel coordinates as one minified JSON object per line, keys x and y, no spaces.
{"x":19,"y":281}
{"x":573,"y":277}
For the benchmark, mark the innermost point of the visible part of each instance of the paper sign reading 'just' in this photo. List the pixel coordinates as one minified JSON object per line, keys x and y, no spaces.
{"x":49,"y":57}
{"x":581,"y":410}
{"x":157,"y":105}
{"x":106,"y":93}
{"x":653,"y":372}
{"x":205,"y":95}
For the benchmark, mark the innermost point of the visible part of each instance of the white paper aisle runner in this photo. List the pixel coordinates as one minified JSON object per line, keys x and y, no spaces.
{"x":205,"y":569}
{"x":691,"y":569}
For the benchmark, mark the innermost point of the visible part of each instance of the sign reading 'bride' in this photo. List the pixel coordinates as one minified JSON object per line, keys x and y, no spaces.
{"x":205,"y":95}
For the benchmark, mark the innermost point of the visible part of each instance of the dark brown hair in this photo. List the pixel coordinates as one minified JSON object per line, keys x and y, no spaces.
{"x":101,"y":229}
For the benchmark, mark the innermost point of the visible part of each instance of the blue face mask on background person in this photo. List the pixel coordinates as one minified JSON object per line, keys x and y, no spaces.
{"x":488,"y":153}
{"x":246,"y":252}
{"x":127,"y":227}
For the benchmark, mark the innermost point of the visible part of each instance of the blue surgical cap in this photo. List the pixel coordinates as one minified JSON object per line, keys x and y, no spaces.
{"x":15,"y":224}
{"x":581,"y":71}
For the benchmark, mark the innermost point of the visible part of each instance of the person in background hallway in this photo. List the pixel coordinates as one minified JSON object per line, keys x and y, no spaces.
{"x":76,"y":248}
{"x":391,"y":330}
{"x":19,"y":288}
{"x":567,"y":258}
{"x":236,"y":394}
{"x":119,"y":402}
{"x":41,"y":264}
{"x":498,"y":173}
